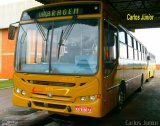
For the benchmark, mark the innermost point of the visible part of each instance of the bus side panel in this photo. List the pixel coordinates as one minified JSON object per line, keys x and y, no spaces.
{"x":111,"y":87}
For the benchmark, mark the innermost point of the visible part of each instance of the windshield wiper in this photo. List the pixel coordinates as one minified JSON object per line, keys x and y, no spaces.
{"x":44,"y":36}
{"x":45,"y":39}
{"x":24,"y":34}
{"x":69,"y":28}
{"x":65,"y":34}
{"x":60,"y":43}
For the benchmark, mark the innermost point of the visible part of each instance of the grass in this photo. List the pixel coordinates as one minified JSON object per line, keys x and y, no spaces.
{"x":6,"y":83}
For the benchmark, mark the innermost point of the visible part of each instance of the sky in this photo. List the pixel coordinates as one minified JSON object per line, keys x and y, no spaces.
{"x":149,"y":37}
{"x":8,"y":1}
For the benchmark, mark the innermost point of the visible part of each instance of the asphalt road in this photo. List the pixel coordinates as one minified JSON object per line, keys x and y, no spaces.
{"x":5,"y":99}
{"x":140,"y":109}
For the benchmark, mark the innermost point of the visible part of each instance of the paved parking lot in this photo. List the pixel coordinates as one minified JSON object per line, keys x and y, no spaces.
{"x":5,"y":99}
{"x":141,"y":109}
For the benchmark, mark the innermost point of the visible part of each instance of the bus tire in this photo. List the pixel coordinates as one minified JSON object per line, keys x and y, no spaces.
{"x":153,"y":74}
{"x":121,"y":98}
{"x":148,"y":79}
{"x":142,"y":84}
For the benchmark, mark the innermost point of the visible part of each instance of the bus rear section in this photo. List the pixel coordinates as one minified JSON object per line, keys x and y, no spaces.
{"x":151,"y":64}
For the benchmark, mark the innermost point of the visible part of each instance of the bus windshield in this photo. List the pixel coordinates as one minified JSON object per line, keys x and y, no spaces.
{"x":58,"y":47}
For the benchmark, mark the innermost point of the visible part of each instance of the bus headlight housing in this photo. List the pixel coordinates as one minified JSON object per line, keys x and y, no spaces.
{"x":86,"y":98}
{"x":23,"y":92}
{"x":92,"y":97}
{"x":18,"y":90}
{"x":83,"y":98}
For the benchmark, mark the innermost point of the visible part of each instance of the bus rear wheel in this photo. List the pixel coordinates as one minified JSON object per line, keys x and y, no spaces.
{"x":121,"y":99}
{"x":142,"y":84}
{"x":153,"y":74}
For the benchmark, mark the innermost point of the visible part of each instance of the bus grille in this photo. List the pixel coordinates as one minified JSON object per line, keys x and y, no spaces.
{"x":50,"y":83}
{"x":54,"y":97}
{"x":48,"y":105}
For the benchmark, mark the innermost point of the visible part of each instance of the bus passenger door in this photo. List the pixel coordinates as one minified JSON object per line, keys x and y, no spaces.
{"x":110,"y":56}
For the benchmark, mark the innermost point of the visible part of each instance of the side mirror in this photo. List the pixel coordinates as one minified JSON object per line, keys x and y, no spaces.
{"x":148,"y":58}
{"x":11,"y":32}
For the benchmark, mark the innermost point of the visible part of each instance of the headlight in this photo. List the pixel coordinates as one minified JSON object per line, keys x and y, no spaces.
{"x":83,"y":98}
{"x":92,"y":98}
{"x":18,"y":90}
{"x":23,"y":92}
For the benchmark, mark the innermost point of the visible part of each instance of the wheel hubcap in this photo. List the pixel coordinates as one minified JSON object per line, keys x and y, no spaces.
{"x":121,"y":98}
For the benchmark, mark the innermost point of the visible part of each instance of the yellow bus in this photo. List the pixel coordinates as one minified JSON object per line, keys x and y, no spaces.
{"x":151,"y":64}
{"x":70,"y":59}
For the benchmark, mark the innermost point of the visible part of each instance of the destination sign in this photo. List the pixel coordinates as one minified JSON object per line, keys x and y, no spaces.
{"x":61,"y":10}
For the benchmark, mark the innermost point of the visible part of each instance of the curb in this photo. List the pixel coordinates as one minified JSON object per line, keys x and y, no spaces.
{"x":6,"y":88}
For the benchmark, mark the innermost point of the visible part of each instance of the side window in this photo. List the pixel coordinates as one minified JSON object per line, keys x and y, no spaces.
{"x":129,"y":40}
{"x":135,"y":49}
{"x":122,"y":36}
{"x":142,"y":53}
{"x":140,"y":58}
{"x":123,"y":45}
{"x":137,"y":45}
{"x":146,"y":52}
{"x":130,"y":52}
{"x":130,"y":49}
{"x":123,"y":50}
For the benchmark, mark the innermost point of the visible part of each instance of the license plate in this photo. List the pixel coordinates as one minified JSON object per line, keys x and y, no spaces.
{"x":83,"y":109}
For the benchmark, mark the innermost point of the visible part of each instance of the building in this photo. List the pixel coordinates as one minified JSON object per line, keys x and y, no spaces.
{"x":10,"y":13}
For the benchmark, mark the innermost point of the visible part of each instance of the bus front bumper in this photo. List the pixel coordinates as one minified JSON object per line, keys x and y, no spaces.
{"x":91,"y":109}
